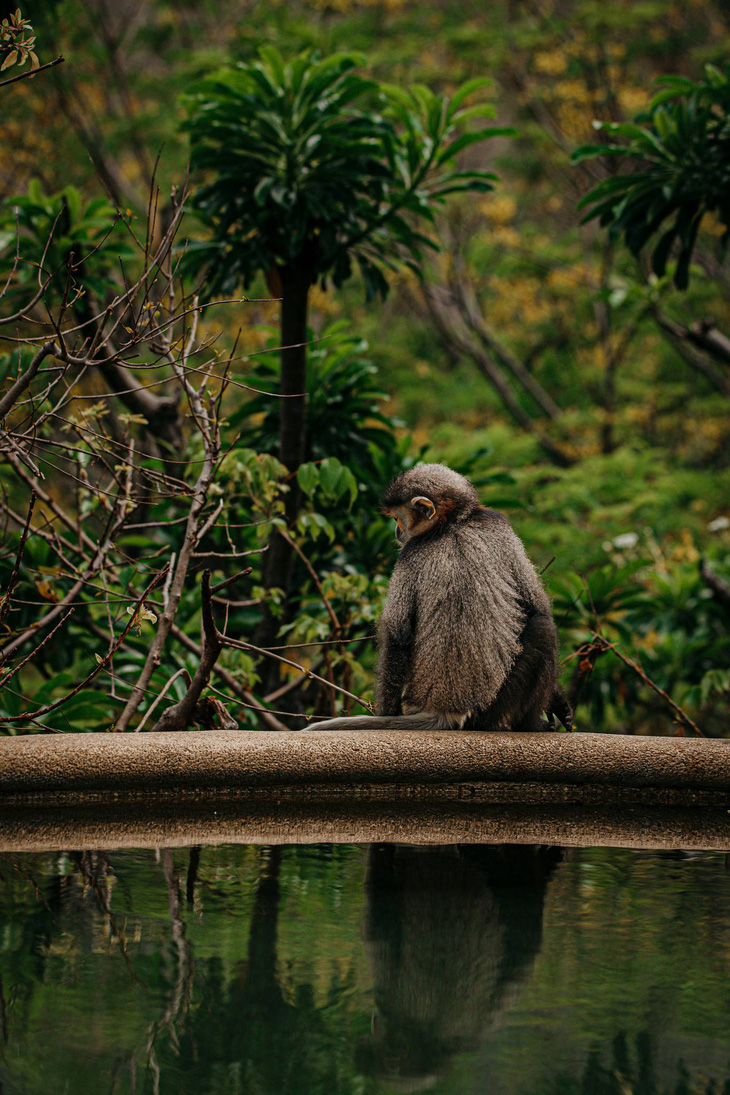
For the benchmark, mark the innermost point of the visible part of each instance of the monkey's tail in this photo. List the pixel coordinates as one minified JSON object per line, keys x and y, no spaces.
{"x":560,"y":707}
{"x":421,"y":720}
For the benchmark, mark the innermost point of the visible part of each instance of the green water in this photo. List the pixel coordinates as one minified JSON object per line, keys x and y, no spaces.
{"x":345,"y":970}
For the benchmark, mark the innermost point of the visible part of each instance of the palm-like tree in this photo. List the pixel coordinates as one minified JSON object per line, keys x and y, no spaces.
{"x":678,"y":154}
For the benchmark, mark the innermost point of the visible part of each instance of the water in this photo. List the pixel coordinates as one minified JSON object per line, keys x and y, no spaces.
{"x":347,"y":970}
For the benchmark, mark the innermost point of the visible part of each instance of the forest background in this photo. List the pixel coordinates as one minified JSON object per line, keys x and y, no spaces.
{"x":585,"y":393}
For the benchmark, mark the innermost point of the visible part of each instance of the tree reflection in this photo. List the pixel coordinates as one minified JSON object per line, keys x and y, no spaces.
{"x":631,"y":1070}
{"x":258,"y":1032}
{"x":450,"y":932}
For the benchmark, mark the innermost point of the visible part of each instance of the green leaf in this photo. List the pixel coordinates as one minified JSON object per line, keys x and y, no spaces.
{"x":468,"y":88}
{"x":35,"y":193}
{"x":479,"y":110}
{"x":72,"y":198}
{"x":295,"y":150}
{"x":308,"y":478}
{"x":590,"y":151}
{"x":661,"y":252}
{"x":331,"y":474}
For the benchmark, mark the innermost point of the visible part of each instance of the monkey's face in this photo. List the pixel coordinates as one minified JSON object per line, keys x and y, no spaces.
{"x":412,"y":518}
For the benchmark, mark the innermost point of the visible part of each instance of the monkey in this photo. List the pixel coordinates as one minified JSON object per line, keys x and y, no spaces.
{"x":466,"y":639}
{"x":452,"y":932}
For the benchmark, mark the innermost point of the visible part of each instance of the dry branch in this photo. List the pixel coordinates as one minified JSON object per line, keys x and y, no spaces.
{"x":120,"y":441}
{"x":460,"y":342}
{"x":182,"y":714}
{"x":5,"y":604}
{"x":587,"y":655}
{"x":232,"y":684}
{"x":720,"y":588}
{"x":14,"y":393}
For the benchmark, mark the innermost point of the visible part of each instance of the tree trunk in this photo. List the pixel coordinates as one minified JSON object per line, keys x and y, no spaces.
{"x":292,"y":423}
{"x":295,"y":283}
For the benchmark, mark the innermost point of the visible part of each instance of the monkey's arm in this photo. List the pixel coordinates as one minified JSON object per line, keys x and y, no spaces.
{"x":394,"y":667}
{"x":396,"y":636}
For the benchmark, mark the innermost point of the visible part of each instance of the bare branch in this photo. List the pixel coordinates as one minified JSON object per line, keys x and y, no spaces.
{"x":450,"y":327}
{"x":238,"y":645}
{"x":5,"y":603}
{"x":313,"y":575}
{"x":180,"y":716}
{"x":230,"y":682}
{"x":720,"y":588}
{"x":34,"y":653}
{"x":24,"y":379}
{"x":682,"y":339}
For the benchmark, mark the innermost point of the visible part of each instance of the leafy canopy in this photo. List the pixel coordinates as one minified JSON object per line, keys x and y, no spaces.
{"x":309,"y":162}
{"x":682,"y":145}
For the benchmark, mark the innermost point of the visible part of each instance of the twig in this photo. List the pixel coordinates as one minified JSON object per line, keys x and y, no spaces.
{"x":234,"y":577}
{"x":179,"y":716}
{"x":313,"y":575}
{"x":17,"y":389}
{"x":230,"y":682}
{"x":324,"y":642}
{"x":34,"y":71}
{"x":160,"y":696}
{"x":209,"y":429}
{"x":5,"y":604}
{"x":600,"y":643}
{"x":34,"y":652}
{"x":97,"y":562}
{"x":275,"y":711}
{"x":239,"y":645}
{"x":720,"y":589}
{"x":295,"y":682}
{"x":103,"y":662}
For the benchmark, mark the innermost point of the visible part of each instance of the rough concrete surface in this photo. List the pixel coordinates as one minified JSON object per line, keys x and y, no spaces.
{"x":198,"y":760}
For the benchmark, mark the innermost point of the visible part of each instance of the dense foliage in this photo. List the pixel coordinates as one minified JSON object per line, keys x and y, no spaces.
{"x":586,"y":394}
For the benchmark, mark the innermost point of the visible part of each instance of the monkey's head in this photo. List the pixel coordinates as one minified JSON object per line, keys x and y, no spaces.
{"x":428,"y":497}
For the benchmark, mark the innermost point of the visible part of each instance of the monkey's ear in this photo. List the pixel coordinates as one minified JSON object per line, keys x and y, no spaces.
{"x":422,"y":502}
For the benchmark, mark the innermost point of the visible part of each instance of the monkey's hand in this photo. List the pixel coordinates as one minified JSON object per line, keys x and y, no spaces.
{"x":389,"y":709}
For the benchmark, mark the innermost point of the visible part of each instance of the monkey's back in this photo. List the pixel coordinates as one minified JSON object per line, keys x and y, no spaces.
{"x":468,"y":592}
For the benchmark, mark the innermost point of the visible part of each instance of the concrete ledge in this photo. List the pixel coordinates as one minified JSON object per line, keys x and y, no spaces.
{"x":80,"y":791}
{"x":148,"y":764}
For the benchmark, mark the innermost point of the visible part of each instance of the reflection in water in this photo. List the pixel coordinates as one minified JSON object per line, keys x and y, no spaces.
{"x":341,"y":971}
{"x":258,"y":1032}
{"x":450,"y":931}
{"x":628,"y":1069}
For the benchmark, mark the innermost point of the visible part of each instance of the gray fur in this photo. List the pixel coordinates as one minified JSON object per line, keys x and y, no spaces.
{"x":466,"y":636}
